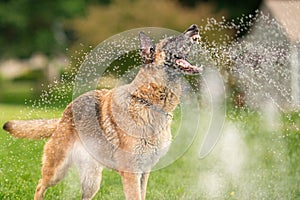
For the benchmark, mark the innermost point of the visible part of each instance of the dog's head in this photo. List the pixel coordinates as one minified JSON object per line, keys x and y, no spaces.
{"x":172,"y":51}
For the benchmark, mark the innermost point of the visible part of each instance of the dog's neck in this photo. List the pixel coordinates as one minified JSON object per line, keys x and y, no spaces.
{"x":160,"y":75}
{"x":149,"y":100}
{"x":156,"y":85}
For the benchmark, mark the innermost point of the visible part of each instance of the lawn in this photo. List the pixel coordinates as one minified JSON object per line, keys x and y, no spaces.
{"x":252,"y":160}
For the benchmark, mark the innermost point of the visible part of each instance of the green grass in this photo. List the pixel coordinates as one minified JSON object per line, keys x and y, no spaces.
{"x":20,"y":160}
{"x":258,"y":163}
{"x":16,"y":92}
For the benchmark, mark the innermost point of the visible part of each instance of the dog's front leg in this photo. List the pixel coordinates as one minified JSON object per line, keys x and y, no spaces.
{"x":132,"y":185}
{"x":144,"y":181}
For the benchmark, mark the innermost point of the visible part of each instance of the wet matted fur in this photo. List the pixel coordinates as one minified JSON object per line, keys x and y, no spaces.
{"x":127,"y":129}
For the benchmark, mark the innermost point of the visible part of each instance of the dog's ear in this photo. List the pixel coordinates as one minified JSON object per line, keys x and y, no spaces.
{"x":192,"y":30}
{"x":146,"y":48}
{"x":193,"y":33}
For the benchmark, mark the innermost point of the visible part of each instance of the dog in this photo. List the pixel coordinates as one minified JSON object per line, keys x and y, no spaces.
{"x":127,"y":128}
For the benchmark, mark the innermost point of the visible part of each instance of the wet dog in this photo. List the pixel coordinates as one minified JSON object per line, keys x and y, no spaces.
{"x":127,"y":129}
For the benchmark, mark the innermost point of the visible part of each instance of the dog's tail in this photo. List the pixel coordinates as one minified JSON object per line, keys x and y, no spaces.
{"x":32,"y":129}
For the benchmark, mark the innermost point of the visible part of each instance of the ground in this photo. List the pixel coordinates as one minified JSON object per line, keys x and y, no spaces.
{"x":251,"y":161}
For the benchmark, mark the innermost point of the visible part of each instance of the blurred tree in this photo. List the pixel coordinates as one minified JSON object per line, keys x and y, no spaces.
{"x":28,"y":26}
{"x":237,"y":8}
{"x":234,"y":8}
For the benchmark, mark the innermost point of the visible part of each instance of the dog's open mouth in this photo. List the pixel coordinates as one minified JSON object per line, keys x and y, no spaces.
{"x":183,"y":64}
{"x":187,"y":67}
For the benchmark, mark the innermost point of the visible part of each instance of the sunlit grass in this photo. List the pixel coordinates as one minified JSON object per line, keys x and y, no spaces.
{"x":20,"y":159}
{"x":20,"y":162}
{"x":249,"y":162}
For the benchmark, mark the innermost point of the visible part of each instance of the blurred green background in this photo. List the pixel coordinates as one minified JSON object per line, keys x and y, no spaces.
{"x":42,"y":43}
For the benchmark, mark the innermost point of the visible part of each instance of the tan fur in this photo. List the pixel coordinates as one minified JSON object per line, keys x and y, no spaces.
{"x":32,"y":129}
{"x":127,"y":129}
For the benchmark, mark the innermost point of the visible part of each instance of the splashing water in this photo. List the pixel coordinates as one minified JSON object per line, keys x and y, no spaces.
{"x":119,"y":55}
{"x":255,"y":158}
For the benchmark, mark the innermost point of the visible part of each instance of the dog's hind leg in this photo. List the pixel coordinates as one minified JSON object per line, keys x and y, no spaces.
{"x":90,"y":172}
{"x":56,"y":161}
{"x":90,"y":181}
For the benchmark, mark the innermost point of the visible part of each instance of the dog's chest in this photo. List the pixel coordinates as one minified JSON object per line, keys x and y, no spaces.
{"x":141,"y":154}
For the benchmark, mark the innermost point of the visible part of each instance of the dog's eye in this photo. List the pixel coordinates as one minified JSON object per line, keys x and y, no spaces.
{"x":152,"y":50}
{"x":196,"y":39}
{"x":177,"y":57}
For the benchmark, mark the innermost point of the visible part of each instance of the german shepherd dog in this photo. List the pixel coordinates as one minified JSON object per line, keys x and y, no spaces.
{"x":127,"y":129}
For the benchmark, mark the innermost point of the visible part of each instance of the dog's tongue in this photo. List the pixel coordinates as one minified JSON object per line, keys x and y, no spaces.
{"x":187,"y":67}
